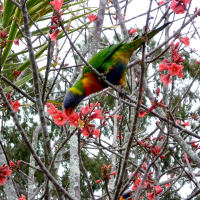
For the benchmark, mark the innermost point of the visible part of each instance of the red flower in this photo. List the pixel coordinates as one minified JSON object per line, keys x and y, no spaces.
{"x":92,"y":17}
{"x":158,"y":91}
{"x":185,"y":41}
{"x":18,"y":163}
{"x":105,"y":171}
{"x":96,"y":115}
{"x":57,"y":4}
{"x":186,"y":124}
{"x":3,"y":34}
{"x":96,"y":132}
{"x":113,"y":173}
{"x":175,"y":69}
{"x":52,"y":109}
{"x":158,"y":189}
{"x":98,"y":181}
{"x":15,"y":105}
{"x":155,"y":104}
{"x":54,"y":35}
{"x":150,"y":196}
{"x":12,"y":164}
{"x":54,"y":19}
{"x":16,"y":73}
{"x":132,"y":31}
{"x":167,"y":185}
{"x":165,"y":79}
{"x":179,"y":6}
{"x":144,"y":166}
{"x":183,"y":124}
{"x":184,"y":158}
{"x":86,"y":110}
{"x":164,"y":65}
{"x":74,"y":119}
{"x":141,"y":143}
{"x":60,"y":118}
{"x":151,"y":108}
{"x":4,"y":171}
{"x":156,"y":150}
{"x":53,"y":27}
{"x":22,"y":198}
{"x":16,"y":41}
{"x":142,"y":114}
{"x":8,"y":96}
{"x":161,"y":2}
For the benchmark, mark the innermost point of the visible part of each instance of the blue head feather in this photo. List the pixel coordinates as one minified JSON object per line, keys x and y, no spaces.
{"x":72,"y":100}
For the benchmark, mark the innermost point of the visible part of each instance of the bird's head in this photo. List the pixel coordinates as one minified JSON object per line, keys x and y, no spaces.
{"x":71,"y":101}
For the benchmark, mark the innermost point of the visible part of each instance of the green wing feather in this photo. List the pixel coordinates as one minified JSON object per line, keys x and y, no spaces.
{"x":99,"y":59}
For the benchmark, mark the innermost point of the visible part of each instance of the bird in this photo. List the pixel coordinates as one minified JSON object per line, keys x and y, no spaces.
{"x":112,"y":63}
{"x":126,"y":196}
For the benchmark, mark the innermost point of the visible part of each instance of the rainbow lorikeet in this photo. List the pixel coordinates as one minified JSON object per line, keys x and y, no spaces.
{"x":112,"y":62}
{"x":126,"y":196}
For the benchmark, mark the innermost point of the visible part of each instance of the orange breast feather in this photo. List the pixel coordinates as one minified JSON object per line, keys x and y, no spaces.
{"x":91,"y":83}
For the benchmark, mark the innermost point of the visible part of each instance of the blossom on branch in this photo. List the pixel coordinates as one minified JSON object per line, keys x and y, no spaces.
{"x":22,"y":198}
{"x":175,"y":69}
{"x":15,"y":105}
{"x":142,"y":114}
{"x":4,"y":173}
{"x":92,"y":17}
{"x":60,"y":118}
{"x":179,"y":6}
{"x":161,"y":2}
{"x":132,"y":31}
{"x":185,"y":41}
{"x":158,"y":189}
{"x":57,"y":4}
{"x":54,"y":35}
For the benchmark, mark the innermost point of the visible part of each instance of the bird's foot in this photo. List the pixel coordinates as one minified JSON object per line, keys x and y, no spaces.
{"x":122,"y":92}
{"x":102,"y":77}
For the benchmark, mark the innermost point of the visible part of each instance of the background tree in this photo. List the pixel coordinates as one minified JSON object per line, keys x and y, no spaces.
{"x":137,"y":142}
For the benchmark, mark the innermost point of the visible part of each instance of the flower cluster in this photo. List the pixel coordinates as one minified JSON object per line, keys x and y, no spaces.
{"x":148,"y":184}
{"x":22,"y":198}
{"x":183,"y":124}
{"x":92,"y":17}
{"x":154,"y":150}
{"x":13,"y":165}
{"x":60,"y":118}
{"x":132,"y":31}
{"x":105,"y":173}
{"x":157,"y":191}
{"x":3,"y":38}
{"x":185,"y":41}
{"x":81,"y":120}
{"x":57,"y":4}
{"x":179,"y":6}
{"x":161,"y":2}
{"x":14,"y":103}
{"x":173,"y":67}
{"x":185,"y":158}
{"x":4,"y":173}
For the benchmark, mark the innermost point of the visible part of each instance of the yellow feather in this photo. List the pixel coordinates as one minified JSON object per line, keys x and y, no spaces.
{"x":75,"y":91}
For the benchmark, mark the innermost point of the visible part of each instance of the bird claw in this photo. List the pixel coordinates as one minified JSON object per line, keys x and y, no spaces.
{"x":102,"y":77}
{"x":122,"y":92}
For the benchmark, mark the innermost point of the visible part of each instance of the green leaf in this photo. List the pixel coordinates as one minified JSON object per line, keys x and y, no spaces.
{"x":11,"y":36}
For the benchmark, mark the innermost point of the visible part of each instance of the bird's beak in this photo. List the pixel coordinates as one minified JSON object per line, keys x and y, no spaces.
{"x":69,"y":111}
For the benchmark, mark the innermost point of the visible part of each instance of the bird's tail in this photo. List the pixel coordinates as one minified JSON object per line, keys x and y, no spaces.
{"x":133,"y":45}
